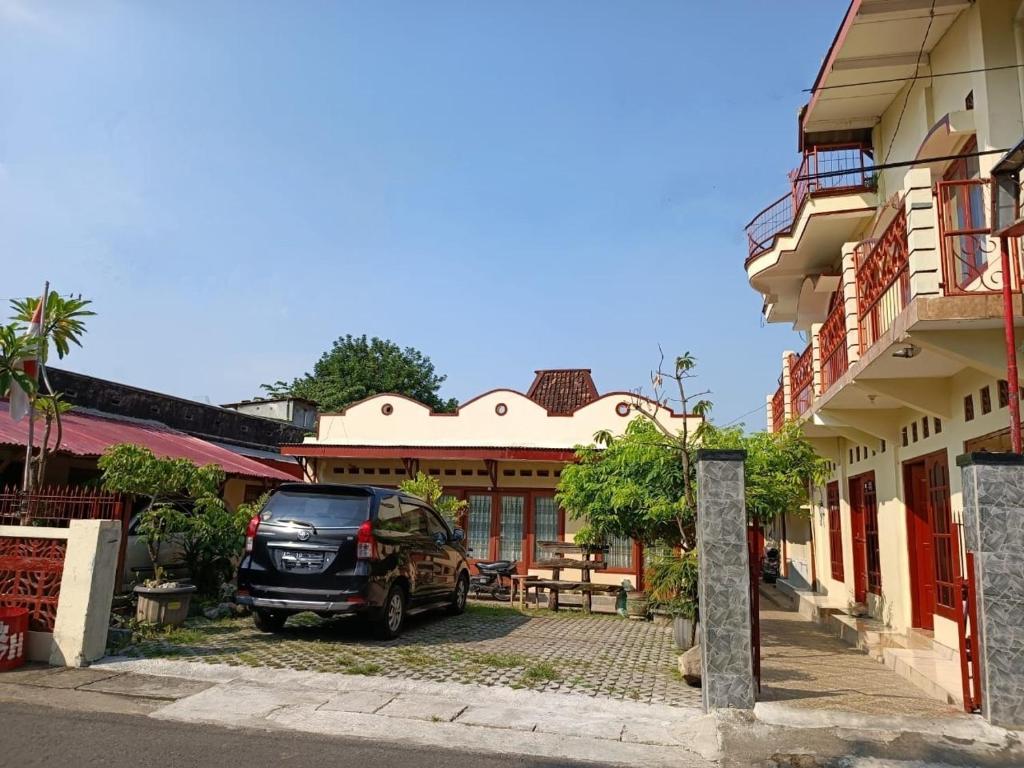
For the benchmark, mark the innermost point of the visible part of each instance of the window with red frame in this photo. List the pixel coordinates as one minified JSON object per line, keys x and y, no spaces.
{"x":963,"y":207}
{"x":835,"y":530}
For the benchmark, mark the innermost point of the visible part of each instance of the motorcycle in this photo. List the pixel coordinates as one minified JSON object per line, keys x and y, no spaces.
{"x":491,"y":579}
{"x":770,"y":565}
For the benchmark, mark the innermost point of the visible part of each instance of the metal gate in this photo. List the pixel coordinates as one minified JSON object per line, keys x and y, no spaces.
{"x":755,"y":548}
{"x":967,"y":626}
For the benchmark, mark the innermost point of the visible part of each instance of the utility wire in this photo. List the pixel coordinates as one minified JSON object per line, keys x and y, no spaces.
{"x":900,"y":164}
{"x":743,"y":416}
{"x":923,"y":77}
{"x":910,"y":86}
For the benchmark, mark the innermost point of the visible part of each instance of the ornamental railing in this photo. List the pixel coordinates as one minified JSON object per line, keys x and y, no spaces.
{"x":832,"y":343}
{"x":970,"y":255}
{"x":55,"y":506}
{"x":883,"y":280}
{"x":778,"y":409}
{"x":831,"y":170}
{"x":801,"y":378}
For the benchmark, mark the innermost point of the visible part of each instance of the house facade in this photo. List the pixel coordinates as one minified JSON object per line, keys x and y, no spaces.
{"x":881,"y":254}
{"x":503,"y":452}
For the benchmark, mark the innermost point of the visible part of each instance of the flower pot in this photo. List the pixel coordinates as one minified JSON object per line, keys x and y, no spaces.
{"x":164,"y":605}
{"x":637,"y":604}
{"x":682,"y":632}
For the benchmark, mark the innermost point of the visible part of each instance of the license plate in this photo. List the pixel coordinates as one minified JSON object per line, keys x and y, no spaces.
{"x":294,"y":560}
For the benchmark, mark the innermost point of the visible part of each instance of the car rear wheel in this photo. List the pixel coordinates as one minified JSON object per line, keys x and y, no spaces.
{"x":388,"y":624}
{"x":458,"y":604}
{"x":266,"y":621}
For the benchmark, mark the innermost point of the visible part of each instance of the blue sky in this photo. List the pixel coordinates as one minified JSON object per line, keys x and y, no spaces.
{"x":504,"y":185}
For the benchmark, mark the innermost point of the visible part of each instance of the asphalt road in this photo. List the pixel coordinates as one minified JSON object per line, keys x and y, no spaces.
{"x":32,"y":735}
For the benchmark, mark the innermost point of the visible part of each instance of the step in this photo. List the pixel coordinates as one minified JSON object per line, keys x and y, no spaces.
{"x":869,"y":635}
{"x":810,"y":605}
{"x":936,"y":675}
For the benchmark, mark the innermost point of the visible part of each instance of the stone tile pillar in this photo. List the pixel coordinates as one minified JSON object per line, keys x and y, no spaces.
{"x":727,"y":675}
{"x":993,"y":493}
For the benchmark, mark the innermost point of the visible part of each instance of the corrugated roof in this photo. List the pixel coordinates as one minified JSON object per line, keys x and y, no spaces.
{"x":91,"y":434}
{"x":563,"y":391}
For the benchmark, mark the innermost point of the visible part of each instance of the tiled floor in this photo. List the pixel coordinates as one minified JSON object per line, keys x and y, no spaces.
{"x":805,"y":666}
{"x":603,"y":656}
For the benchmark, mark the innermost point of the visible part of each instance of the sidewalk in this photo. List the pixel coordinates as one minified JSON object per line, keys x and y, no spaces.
{"x":567,"y":726}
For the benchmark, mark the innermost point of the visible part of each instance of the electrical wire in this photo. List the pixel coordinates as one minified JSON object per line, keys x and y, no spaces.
{"x":742,"y":416}
{"x":979,"y":70}
{"x":902,"y":164}
{"x":910,"y":86}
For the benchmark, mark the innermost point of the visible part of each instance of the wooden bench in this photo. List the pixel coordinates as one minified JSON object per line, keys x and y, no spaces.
{"x":556,"y":561}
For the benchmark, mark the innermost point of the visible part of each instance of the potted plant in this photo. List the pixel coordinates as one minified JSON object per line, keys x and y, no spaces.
{"x":181,"y":501}
{"x":672,"y":581}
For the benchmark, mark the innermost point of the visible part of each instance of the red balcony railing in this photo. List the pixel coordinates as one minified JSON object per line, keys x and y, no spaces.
{"x":778,"y":409}
{"x":883,"y":280}
{"x":970,"y":255}
{"x":832,"y":343}
{"x":801,"y":381}
{"x":832,"y":170}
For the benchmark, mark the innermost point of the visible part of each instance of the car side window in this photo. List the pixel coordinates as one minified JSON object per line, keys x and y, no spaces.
{"x":414,"y":517}
{"x":389,"y":515}
{"x":436,"y":526}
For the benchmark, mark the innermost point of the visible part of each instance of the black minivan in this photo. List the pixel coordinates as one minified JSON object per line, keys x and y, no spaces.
{"x":350,"y":549}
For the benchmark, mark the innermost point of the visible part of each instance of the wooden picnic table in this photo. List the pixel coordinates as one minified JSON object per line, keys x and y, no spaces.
{"x":556,"y":561}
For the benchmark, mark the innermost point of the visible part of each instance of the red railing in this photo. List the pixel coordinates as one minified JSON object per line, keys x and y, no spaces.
{"x":801,"y":381}
{"x":30,"y":577}
{"x":56,"y":506}
{"x":883,"y":280}
{"x":832,"y":342}
{"x":778,"y":409}
{"x":970,"y":255}
{"x":831,"y":169}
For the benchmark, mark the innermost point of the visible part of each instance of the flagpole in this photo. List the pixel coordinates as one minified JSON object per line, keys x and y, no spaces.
{"x":27,"y":480}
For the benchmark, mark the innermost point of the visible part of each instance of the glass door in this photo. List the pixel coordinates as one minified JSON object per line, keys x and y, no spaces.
{"x":478,"y":526}
{"x":510,"y":542}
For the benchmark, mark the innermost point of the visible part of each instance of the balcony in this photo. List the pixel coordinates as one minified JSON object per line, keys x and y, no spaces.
{"x":883,"y":280}
{"x":801,"y":377}
{"x":824,"y":170}
{"x":831,"y":196}
{"x":832,"y":338}
{"x":778,"y":408}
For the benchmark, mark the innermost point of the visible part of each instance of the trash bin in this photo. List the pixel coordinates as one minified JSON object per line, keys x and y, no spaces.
{"x":13,"y":635}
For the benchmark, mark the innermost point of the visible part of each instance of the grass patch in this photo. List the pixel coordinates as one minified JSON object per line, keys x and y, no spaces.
{"x":501,"y":660}
{"x":362,"y":668}
{"x":414,"y":657}
{"x":182,"y":636}
{"x":541,"y":673}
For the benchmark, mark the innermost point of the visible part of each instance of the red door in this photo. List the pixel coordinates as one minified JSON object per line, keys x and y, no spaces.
{"x":858,"y":514}
{"x":921,"y":541}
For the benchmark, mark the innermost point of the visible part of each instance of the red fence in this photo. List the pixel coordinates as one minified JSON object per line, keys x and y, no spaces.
{"x":832,"y":170}
{"x":31,"y":567}
{"x":832,"y":343}
{"x":883,"y":280}
{"x":801,"y":381}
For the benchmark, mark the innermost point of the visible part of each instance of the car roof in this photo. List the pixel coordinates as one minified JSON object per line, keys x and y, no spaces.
{"x":348,"y":488}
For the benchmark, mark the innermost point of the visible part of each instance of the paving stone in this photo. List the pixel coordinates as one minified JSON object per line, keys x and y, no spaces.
{"x":499,"y":717}
{"x":366,"y":702}
{"x":148,"y":686}
{"x":433,"y":708}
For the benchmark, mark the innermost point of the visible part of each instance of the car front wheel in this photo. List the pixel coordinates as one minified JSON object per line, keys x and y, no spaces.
{"x":458,"y":604}
{"x":388,"y":624}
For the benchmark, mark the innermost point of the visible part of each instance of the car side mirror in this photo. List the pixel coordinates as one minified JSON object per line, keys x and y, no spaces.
{"x":458,"y":535}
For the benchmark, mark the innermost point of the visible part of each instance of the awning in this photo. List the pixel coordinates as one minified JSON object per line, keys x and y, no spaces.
{"x":91,"y":434}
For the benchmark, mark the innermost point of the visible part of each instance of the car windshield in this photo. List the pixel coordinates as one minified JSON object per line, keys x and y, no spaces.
{"x":317,"y":509}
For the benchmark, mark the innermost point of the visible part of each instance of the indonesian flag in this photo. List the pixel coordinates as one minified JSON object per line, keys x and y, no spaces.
{"x":20,"y":405}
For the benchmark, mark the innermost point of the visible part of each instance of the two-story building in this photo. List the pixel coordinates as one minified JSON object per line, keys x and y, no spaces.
{"x":880,"y":253}
{"x":502,"y":452}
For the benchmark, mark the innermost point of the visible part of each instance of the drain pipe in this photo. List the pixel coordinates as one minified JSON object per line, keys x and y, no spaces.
{"x":1011,"y":345}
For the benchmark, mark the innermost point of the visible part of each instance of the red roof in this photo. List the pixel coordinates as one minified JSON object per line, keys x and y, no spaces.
{"x":563,"y":391}
{"x":90,"y":435}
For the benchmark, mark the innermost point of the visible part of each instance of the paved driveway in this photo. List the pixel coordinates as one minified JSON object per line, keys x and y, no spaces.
{"x":603,"y":656}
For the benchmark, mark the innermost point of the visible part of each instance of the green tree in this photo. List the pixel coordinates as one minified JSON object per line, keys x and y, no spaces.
{"x":428,"y":488}
{"x":63,"y":320}
{"x":355,"y":368}
{"x":182,"y":500}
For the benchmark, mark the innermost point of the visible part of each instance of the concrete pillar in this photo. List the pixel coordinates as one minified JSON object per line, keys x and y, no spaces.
{"x":727,"y":676}
{"x":769,"y":413}
{"x":787,"y":383}
{"x":850,"y":302}
{"x":922,"y":234}
{"x":86,"y":591}
{"x":993,"y":496}
{"x":816,"y":388}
